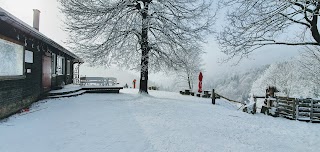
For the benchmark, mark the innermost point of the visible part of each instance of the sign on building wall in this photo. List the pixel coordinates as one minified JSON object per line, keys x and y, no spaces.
{"x":28,"y":55}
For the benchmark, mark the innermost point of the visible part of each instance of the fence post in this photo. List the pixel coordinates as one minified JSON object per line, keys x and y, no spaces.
{"x":311,"y":111}
{"x":213,"y":97}
{"x":276,"y":105}
{"x":293,"y":109}
{"x":297,"y":108}
{"x":255,"y":105}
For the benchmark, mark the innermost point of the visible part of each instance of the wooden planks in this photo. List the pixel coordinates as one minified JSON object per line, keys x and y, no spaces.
{"x":299,"y":109}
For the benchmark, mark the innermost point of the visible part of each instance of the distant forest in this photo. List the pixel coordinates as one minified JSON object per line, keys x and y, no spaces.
{"x":293,"y":78}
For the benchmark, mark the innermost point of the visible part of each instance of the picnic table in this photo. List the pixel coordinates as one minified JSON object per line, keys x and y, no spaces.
{"x":206,"y":94}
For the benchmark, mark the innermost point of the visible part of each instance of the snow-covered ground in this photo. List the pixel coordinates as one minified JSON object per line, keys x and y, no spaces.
{"x":161,"y":121}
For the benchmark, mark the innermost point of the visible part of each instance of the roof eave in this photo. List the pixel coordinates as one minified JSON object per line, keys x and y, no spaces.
{"x":7,"y":17}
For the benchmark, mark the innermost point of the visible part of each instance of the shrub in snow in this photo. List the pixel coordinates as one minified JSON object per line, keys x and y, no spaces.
{"x":250,"y":108}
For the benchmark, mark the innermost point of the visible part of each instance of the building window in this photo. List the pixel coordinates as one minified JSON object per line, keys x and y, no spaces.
{"x":12,"y":59}
{"x":60,"y":65}
{"x":68,"y":67}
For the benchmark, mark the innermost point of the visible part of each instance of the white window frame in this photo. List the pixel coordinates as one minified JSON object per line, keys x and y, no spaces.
{"x":54,"y":64}
{"x":60,"y":65}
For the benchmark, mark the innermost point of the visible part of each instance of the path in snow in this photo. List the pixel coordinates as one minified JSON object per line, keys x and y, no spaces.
{"x":163,"y":121}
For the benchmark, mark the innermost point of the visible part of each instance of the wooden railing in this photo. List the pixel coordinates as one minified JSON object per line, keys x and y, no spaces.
{"x":308,"y":109}
{"x":296,"y":109}
{"x":104,"y":81}
{"x":286,"y":107}
{"x":209,"y":94}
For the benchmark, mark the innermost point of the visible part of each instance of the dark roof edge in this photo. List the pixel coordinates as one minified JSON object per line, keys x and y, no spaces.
{"x":9,"y":18}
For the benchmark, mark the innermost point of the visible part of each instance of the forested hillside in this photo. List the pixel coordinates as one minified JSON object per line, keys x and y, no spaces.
{"x":235,"y":85}
{"x":292,"y":78}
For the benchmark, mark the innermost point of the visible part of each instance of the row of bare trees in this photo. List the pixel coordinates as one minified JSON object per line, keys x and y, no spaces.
{"x":154,"y":35}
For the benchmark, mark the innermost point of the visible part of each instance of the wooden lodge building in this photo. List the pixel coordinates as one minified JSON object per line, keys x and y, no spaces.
{"x":31,"y":63}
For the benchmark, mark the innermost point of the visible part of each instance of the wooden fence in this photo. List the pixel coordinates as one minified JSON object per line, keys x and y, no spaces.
{"x":298,"y":109}
{"x":209,"y":94}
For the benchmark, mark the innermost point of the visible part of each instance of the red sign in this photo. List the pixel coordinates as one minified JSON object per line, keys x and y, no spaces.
{"x":200,"y":82}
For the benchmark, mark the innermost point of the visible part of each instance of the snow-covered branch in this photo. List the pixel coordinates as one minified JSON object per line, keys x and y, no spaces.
{"x":256,"y":23}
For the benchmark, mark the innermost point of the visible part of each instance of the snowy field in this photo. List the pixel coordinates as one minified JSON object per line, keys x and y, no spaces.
{"x":162,"y":122}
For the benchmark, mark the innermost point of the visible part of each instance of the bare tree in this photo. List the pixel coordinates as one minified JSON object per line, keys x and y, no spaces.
{"x":284,"y":76}
{"x":290,"y":78}
{"x":310,"y":62}
{"x":190,"y":67}
{"x":252,"y":24}
{"x":126,"y":31}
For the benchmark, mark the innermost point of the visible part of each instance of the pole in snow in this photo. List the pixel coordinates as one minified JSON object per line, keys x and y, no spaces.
{"x":213,"y":97}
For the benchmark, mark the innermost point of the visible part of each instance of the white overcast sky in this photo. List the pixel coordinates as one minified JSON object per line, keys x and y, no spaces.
{"x":51,"y":25}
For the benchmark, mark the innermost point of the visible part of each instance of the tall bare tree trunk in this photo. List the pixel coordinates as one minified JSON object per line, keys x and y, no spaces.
{"x":314,"y":26}
{"x":145,"y":51}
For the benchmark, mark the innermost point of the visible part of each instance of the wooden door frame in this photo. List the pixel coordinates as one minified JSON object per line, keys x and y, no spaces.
{"x":46,"y":55}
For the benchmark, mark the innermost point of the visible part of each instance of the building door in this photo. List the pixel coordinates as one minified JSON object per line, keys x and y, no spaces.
{"x":46,"y":73}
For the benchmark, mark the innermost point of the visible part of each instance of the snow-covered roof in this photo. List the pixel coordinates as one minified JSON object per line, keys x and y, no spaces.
{"x":14,"y":21}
